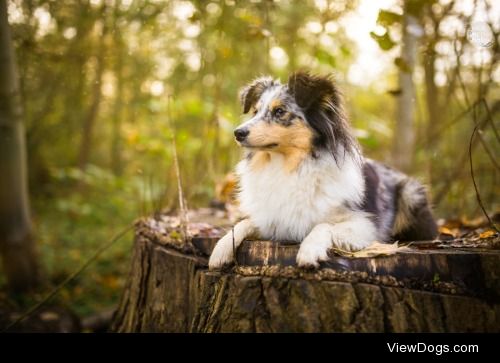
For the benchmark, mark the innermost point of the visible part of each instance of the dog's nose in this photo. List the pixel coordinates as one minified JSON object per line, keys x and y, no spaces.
{"x":241,"y":134}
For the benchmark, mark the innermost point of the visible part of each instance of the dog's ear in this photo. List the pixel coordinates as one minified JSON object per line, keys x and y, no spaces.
{"x":310,"y":90}
{"x":321,"y":102}
{"x":250,"y":94}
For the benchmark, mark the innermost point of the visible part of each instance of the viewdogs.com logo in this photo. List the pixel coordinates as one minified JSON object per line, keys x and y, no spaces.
{"x":437,"y":349}
{"x":480,"y":34}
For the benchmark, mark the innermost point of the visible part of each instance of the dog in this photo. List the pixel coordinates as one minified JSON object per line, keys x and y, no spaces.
{"x":303,"y":177}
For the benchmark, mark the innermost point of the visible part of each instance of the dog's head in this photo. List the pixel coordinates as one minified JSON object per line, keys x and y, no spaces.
{"x":305,"y":115}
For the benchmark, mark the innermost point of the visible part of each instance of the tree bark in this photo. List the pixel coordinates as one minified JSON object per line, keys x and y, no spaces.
{"x":431,"y":91}
{"x":17,"y":245}
{"x":116,"y":156}
{"x":431,"y":94}
{"x":170,"y":289}
{"x":91,"y":116}
{"x":404,"y":136}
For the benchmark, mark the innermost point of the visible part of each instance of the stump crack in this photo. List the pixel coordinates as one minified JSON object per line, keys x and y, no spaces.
{"x":142,"y":299}
{"x":359,"y":309}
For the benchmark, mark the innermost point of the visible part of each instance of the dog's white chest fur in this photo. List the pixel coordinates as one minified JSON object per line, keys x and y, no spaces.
{"x":287,"y":205}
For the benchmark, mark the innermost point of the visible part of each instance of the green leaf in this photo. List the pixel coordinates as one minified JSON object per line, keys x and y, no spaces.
{"x":402,"y":64}
{"x":370,"y":142}
{"x":436,"y":278}
{"x":387,"y":18}
{"x":325,"y":57}
{"x":416,"y":7}
{"x":384,"y":41}
{"x":346,"y":51}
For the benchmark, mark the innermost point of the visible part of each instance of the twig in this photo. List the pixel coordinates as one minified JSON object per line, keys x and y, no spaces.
{"x":460,"y":164}
{"x":446,"y":126}
{"x":479,"y":133}
{"x":477,"y":125}
{"x":182,"y":202}
{"x":142,"y":194}
{"x":478,"y":196}
{"x":488,"y":151}
{"x":151,"y":195}
{"x":70,"y":278}
{"x":490,"y":117}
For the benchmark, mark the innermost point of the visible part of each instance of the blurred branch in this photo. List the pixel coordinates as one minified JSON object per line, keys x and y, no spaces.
{"x":70,"y":278}
{"x":480,"y":100}
{"x":182,"y":201}
{"x":453,"y":77}
{"x":473,"y":141}
{"x":459,"y":166}
{"x":490,"y":115}
{"x":478,"y":195}
{"x":438,"y":133}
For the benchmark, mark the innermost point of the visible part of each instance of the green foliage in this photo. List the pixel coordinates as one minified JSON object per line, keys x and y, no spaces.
{"x":325,"y":57}
{"x":384,"y":41}
{"x":387,"y":18}
{"x":436,"y":278}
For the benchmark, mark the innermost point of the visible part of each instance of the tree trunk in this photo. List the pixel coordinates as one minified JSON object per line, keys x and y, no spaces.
{"x":116,"y":156}
{"x":170,"y":289}
{"x":432,"y":104}
{"x":17,"y":245}
{"x":431,"y":91}
{"x":431,"y":95}
{"x":404,"y":136}
{"x":91,"y":116}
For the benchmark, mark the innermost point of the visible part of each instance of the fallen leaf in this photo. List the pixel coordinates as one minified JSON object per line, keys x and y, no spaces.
{"x":373,"y":250}
{"x":451,"y":223}
{"x":487,"y":234}
{"x":446,"y":230}
{"x":474,"y":223}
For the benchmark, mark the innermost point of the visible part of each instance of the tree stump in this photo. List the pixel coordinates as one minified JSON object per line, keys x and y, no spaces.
{"x":426,"y":289}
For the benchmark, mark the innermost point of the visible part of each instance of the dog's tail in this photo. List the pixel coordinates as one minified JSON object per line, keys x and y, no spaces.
{"x":413,"y":220}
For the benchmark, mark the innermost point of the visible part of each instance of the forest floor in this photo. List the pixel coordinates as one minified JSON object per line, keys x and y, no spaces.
{"x":69,"y":230}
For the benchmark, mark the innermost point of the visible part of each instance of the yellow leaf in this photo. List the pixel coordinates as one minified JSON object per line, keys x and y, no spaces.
{"x":373,"y":250}
{"x":487,"y":234}
{"x":446,"y":230}
{"x":132,"y":137}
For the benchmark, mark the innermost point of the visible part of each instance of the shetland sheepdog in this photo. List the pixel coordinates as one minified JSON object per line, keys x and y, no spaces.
{"x":303,"y":177}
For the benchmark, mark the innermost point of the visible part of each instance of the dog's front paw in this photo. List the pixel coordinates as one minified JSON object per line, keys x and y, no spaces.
{"x":222,"y":253}
{"x":310,"y":255}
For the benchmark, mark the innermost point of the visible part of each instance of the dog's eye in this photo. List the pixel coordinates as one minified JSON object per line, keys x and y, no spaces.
{"x":255,"y":111}
{"x":279,"y":112}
